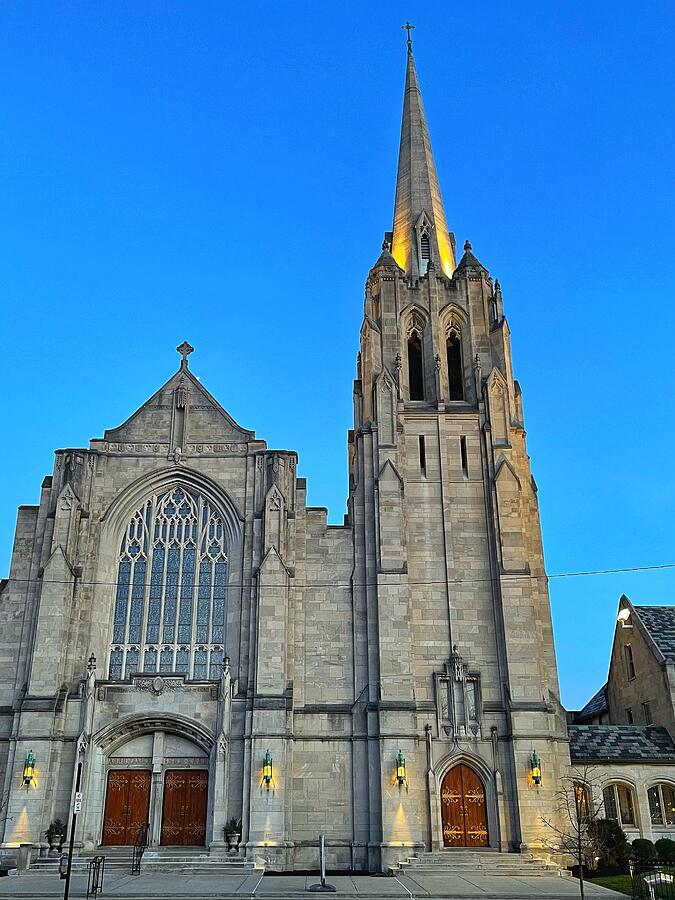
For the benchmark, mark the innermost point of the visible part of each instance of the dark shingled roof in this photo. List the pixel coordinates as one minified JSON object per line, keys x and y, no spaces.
{"x":660,"y":623}
{"x":620,"y":743}
{"x":595,"y":706}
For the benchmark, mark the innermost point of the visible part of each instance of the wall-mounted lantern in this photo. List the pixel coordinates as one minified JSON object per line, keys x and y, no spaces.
{"x":400,"y":768}
{"x":267,"y":768}
{"x":29,"y":769}
{"x":535,"y":768}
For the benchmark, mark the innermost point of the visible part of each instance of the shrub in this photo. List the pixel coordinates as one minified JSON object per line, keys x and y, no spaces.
{"x":665,"y":848}
{"x":233,"y":826}
{"x":610,"y":843}
{"x":644,"y":849}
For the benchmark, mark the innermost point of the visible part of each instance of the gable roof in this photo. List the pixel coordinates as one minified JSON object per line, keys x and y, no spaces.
{"x":620,"y":743}
{"x":156,"y":413}
{"x":595,"y":706}
{"x":659,"y":622}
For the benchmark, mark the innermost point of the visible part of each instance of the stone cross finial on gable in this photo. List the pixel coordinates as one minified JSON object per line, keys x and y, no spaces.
{"x":185,"y":350}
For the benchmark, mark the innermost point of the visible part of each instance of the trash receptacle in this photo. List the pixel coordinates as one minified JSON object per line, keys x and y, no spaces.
{"x":63,"y":864}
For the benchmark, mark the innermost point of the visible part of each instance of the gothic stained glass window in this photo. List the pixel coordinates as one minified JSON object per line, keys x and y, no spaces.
{"x":171,"y":589}
{"x":201,"y":662}
{"x":116,"y":657}
{"x":132,"y":661}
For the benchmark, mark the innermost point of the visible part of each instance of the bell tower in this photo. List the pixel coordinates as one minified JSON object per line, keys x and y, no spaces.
{"x":448,"y":554}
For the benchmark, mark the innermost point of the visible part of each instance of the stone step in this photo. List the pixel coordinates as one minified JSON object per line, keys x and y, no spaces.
{"x":185,"y":864}
{"x":481,"y":862}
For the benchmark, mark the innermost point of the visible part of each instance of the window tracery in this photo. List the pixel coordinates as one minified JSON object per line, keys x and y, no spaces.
{"x":458,"y":697}
{"x":171,"y":589}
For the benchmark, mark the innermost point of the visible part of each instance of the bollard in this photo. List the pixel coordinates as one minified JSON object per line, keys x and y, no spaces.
{"x":322,"y":886}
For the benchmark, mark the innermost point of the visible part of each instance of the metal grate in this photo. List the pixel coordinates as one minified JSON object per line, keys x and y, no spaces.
{"x":653,"y":879}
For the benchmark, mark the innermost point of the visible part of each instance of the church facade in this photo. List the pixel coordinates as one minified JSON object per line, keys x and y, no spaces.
{"x":182,"y":633}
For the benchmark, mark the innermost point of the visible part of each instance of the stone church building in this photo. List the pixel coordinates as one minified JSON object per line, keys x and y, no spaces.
{"x":183,"y":628}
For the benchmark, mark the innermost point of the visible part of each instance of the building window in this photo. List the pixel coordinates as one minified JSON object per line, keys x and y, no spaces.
{"x":618,"y":802}
{"x":171,"y":589}
{"x":582,"y":801}
{"x":463,"y":456}
{"x":647,"y":712}
{"x":415,"y":367}
{"x":661,"y":804}
{"x":629,"y":715}
{"x":630,"y":665}
{"x":423,"y":456}
{"x":453,"y":349}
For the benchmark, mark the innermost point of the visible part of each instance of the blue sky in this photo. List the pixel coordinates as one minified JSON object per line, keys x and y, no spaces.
{"x":224,"y":174}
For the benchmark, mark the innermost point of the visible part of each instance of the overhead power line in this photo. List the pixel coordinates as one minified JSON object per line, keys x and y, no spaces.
{"x":334,"y":584}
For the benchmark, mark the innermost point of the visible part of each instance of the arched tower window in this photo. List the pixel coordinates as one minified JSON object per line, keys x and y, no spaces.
{"x":415,"y":365}
{"x":455,"y":368}
{"x":171,"y":589}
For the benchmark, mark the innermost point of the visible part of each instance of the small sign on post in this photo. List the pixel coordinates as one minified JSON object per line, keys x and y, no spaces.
{"x":322,"y":886}
{"x":77,"y":806}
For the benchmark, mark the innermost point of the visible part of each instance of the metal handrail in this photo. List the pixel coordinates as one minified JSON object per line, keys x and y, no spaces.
{"x":140,"y":845}
{"x":95,"y":872}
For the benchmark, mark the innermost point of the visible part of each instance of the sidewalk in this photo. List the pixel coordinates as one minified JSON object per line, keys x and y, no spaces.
{"x":235,"y":887}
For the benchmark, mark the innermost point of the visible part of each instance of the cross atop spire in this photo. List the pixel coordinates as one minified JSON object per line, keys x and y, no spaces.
{"x":185,"y":350}
{"x":408,"y":27}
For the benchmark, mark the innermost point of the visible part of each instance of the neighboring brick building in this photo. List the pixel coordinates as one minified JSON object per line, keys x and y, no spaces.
{"x":233,"y":628}
{"x":625,"y":732}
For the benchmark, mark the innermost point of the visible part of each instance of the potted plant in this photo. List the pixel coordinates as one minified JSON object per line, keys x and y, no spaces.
{"x":233,"y":833}
{"x":56,"y":835}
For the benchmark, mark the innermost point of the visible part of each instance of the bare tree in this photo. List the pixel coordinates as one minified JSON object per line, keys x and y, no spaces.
{"x":572,"y":832}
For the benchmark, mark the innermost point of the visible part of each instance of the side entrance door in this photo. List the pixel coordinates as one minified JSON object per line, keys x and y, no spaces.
{"x":127,"y":802}
{"x":184,"y":812}
{"x":463,"y":809}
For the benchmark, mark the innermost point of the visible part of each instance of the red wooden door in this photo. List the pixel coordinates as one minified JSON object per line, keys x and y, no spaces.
{"x":463,"y":809}
{"x":127,"y":802}
{"x":184,"y":813}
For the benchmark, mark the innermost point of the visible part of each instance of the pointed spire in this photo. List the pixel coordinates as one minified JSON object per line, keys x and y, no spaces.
{"x":418,"y":209}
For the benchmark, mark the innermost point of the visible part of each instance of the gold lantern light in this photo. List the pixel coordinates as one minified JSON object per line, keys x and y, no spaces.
{"x":29,"y":769}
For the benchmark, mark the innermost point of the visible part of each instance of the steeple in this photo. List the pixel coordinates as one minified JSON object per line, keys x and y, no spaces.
{"x":420,"y":229}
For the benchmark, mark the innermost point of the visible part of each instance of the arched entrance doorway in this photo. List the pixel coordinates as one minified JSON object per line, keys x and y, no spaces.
{"x":463,"y":809}
{"x":159,"y":775}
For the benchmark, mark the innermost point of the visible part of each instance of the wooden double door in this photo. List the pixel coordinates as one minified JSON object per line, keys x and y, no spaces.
{"x":127,"y":804}
{"x":184,"y":810}
{"x":463,"y":809}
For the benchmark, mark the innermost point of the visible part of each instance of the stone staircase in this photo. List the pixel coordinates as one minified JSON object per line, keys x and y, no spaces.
{"x":167,"y":860}
{"x":475,"y":862}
